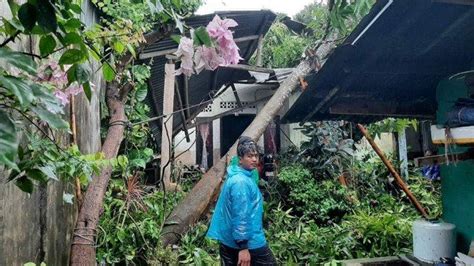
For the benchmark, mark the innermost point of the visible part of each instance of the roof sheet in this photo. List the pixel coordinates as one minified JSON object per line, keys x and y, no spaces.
{"x":391,"y":63}
{"x":202,"y":86}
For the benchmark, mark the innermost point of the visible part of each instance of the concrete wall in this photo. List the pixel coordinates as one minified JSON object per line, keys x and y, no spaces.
{"x":38,"y":227}
{"x":187,"y":149}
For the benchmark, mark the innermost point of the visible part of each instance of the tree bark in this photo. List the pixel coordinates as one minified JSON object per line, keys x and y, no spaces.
{"x":199,"y":198}
{"x":83,"y":243}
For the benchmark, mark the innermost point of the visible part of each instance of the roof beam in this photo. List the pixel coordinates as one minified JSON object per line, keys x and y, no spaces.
{"x":365,"y":106}
{"x":321,"y":104}
{"x":251,"y":68}
{"x":456,"y":2}
{"x":370,"y":107}
{"x":236,"y":95}
{"x":172,"y":50}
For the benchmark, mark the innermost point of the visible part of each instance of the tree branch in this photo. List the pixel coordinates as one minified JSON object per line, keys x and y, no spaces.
{"x":38,"y":127}
{"x":32,"y":54}
{"x":9,"y":39}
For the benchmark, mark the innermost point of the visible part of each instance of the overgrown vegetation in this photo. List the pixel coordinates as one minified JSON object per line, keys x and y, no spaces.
{"x":284,"y":48}
{"x":329,"y":202}
{"x":311,"y":215}
{"x":132,"y":221}
{"x":333,"y":213}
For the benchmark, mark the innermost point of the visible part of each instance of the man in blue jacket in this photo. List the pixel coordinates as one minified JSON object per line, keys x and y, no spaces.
{"x":237,"y":219}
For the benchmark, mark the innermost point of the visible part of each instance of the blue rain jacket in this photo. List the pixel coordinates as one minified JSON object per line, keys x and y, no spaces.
{"x":255,"y":177}
{"x":239,"y":210}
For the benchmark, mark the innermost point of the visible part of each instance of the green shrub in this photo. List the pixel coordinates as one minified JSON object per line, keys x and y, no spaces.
{"x":294,"y":241}
{"x":379,"y":234}
{"x":324,"y":201}
{"x":195,"y":248}
{"x":377,"y":215}
{"x":130,"y":228}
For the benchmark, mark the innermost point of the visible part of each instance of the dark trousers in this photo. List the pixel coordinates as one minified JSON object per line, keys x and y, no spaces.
{"x":259,"y":256}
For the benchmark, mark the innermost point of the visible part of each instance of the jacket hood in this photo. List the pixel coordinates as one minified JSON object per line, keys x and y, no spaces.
{"x":233,"y":170}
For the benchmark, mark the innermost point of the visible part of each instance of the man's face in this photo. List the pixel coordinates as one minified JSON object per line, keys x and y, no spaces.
{"x":249,"y":161}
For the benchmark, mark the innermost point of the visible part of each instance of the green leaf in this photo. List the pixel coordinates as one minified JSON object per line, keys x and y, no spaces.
{"x":8,"y":141}
{"x":19,"y":60}
{"x":82,"y":73}
{"x":47,"y":44}
{"x":159,"y":6}
{"x":14,"y":7}
{"x":49,"y":172}
{"x":177,"y":3}
{"x":76,"y":8}
{"x":21,"y":153}
{"x":28,"y":16}
{"x":83,"y":179}
{"x":25,"y":184}
{"x":37,"y":30}
{"x":148,"y":152}
{"x":19,"y":88}
{"x":122,"y":161}
{"x":141,"y":93}
{"x":141,"y":73}
{"x":15,"y":25}
{"x":53,"y":120}
{"x":155,"y":6}
{"x":47,"y":16}
{"x":119,"y":47}
{"x":203,"y":36}
{"x":46,"y":98}
{"x":73,"y":24}
{"x":68,"y":198}
{"x":65,"y":13}
{"x":139,"y":163}
{"x":121,"y":234}
{"x":108,"y":72}
{"x":176,"y":38}
{"x":86,"y":86}
{"x":71,"y":74}
{"x":179,"y":24}
{"x":131,"y":50}
{"x":72,"y":38}
{"x":71,"y":56}
{"x":37,"y":175}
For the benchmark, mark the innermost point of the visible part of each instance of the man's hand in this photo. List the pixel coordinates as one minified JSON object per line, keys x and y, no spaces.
{"x":244,"y":258}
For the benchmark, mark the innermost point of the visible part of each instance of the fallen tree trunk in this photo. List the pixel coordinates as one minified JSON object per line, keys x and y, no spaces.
{"x":198,"y":199}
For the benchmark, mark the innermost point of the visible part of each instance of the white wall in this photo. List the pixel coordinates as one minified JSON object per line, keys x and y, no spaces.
{"x":187,"y":148}
{"x":227,"y":101}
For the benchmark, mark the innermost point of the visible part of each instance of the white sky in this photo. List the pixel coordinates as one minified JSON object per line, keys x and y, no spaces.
{"x":289,"y":7}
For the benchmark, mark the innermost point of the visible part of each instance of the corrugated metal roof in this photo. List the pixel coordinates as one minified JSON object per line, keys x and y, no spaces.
{"x":202,"y":86}
{"x":393,"y":67}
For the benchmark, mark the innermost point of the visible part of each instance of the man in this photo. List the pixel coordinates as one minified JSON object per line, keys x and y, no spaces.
{"x":237,"y":219}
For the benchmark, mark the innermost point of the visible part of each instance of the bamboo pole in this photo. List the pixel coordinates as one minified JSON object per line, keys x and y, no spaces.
{"x":392,"y":170}
{"x":77,"y":182}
